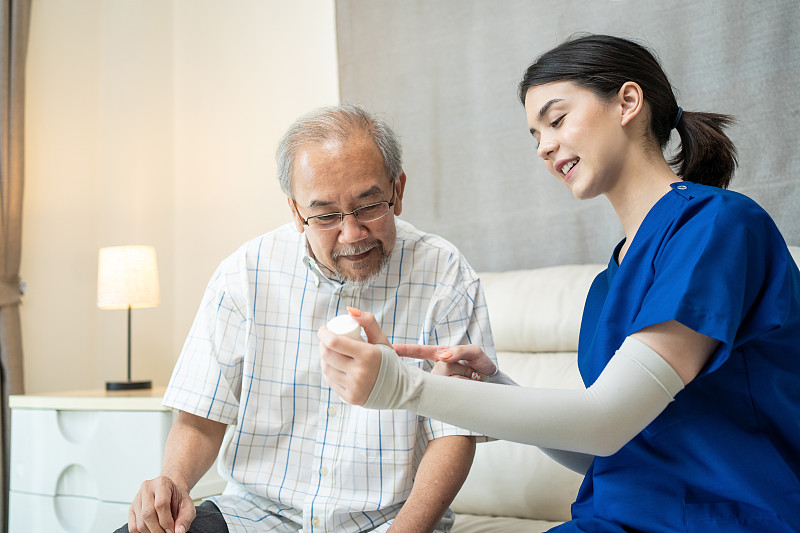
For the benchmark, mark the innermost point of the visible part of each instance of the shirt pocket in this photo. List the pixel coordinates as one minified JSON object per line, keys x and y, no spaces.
{"x":378,"y":457}
{"x":385,"y":436}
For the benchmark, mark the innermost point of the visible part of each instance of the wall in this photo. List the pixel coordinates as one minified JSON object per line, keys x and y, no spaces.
{"x":447,"y":74}
{"x":152,"y":122}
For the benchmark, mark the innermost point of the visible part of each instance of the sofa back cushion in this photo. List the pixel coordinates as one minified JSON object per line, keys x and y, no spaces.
{"x":538,"y":310}
{"x":535,"y":316}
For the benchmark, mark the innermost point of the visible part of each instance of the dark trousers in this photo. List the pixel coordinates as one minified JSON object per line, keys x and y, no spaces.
{"x":208,"y":520}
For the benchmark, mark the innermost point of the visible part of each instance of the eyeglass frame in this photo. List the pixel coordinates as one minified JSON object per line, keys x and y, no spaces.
{"x":391,"y":203}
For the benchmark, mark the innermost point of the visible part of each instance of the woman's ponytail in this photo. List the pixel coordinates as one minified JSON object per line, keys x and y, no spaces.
{"x":706,"y":154}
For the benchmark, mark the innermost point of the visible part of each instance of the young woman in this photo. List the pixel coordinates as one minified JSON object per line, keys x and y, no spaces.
{"x":690,"y":340}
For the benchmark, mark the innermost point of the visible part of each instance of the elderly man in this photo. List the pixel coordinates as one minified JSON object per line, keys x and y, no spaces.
{"x":296,"y":457}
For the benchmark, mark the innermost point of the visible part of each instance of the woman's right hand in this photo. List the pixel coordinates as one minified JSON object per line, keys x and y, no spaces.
{"x":470,"y":356}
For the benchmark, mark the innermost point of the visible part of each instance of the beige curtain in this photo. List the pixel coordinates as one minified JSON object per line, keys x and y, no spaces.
{"x":14,"y":19}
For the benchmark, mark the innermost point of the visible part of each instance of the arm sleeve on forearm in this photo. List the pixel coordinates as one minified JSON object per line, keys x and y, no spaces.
{"x":633,"y":389}
{"x":499,"y":377}
{"x":577,"y":462}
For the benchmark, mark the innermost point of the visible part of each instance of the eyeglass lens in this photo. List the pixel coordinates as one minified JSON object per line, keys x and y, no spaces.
{"x":366,"y":213}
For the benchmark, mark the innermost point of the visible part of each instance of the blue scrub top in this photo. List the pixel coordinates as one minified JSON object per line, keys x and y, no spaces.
{"x":725,"y":455}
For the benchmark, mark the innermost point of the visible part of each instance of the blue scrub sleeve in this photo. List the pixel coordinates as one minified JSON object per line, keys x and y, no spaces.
{"x":715,"y":273}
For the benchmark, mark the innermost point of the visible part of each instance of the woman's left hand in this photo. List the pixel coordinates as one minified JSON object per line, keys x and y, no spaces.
{"x":351,"y":367}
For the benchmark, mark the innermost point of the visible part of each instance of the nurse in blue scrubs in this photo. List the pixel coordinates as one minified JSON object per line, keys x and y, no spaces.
{"x":690,"y":340}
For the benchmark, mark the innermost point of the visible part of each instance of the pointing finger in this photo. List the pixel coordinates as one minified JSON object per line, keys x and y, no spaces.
{"x":420,"y":351}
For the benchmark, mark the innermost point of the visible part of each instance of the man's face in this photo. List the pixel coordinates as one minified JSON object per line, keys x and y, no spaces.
{"x":340,"y":176}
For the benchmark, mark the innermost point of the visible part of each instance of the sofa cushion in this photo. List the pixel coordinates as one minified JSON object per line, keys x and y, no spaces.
{"x":466,"y":523}
{"x":531,"y":311}
{"x":538,"y":310}
{"x":518,"y":480}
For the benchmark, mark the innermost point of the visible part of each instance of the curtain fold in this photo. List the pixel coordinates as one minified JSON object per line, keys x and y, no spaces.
{"x":14,"y":20}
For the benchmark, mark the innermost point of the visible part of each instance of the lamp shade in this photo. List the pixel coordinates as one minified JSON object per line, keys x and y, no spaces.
{"x":127,"y":277}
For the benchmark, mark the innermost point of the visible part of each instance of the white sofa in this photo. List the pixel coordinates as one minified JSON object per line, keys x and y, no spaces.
{"x":535,"y":316}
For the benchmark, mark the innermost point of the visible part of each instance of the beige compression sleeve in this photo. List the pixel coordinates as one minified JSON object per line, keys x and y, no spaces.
{"x":633,"y":389}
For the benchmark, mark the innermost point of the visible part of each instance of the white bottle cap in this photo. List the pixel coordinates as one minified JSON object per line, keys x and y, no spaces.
{"x":345,"y":325}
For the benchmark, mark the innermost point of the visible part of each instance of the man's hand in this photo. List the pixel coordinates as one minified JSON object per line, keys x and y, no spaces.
{"x":160,"y":506}
{"x":163,"y":504}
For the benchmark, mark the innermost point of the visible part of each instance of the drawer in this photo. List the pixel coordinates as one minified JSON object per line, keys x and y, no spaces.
{"x":33,"y":513}
{"x":92,"y":454}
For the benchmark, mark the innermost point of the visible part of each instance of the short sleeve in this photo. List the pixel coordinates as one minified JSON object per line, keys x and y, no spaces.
{"x":459,"y":316}
{"x":207,"y":378}
{"x":714,"y":273}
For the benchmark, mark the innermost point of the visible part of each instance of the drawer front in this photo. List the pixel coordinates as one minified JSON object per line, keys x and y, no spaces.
{"x":92,"y":454}
{"x":31,"y":513}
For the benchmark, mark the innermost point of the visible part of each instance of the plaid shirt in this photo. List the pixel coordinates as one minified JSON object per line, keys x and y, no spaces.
{"x":296,"y":457}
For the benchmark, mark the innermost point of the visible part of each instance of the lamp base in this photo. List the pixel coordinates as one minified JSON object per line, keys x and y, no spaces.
{"x":128,"y":385}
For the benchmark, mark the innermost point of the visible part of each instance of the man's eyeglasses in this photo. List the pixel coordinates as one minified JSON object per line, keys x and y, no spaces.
{"x":365,"y":213}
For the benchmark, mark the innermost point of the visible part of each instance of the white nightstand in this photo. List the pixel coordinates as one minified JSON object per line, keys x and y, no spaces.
{"x":78,"y":458}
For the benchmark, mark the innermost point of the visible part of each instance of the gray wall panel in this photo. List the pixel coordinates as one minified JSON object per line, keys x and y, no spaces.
{"x":445,"y":74}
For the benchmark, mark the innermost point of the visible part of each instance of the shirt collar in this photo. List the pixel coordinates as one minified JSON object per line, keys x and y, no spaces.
{"x":321,"y":272}
{"x":683,"y":188}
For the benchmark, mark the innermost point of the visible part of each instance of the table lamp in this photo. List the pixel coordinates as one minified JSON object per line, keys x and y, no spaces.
{"x":127,"y":278}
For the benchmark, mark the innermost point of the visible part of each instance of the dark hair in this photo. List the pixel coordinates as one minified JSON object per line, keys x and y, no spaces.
{"x":603,"y":63}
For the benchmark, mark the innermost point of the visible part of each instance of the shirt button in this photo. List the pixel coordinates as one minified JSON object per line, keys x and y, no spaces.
{"x":315,"y":522}
{"x":323,"y":471}
{"x":332,"y":411}
{"x":682,"y":187}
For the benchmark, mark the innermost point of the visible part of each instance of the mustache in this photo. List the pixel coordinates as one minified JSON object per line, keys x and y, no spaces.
{"x":356,"y":249}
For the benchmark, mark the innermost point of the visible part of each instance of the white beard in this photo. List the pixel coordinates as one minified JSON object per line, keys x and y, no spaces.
{"x":369,"y":280}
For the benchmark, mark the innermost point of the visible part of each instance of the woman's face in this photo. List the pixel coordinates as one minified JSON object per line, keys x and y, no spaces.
{"x":580,"y":137}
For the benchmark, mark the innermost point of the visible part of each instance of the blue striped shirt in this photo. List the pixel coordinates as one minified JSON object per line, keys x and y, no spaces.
{"x":296,"y":457}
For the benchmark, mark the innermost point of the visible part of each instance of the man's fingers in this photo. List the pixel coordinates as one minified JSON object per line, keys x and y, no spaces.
{"x":420,"y":351}
{"x":132,"y":527}
{"x":186,"y":514}
{"x":153,"y":507}
{"x":163,"y":508}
